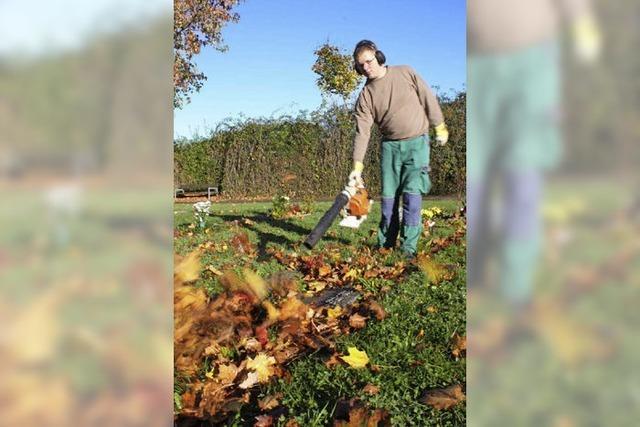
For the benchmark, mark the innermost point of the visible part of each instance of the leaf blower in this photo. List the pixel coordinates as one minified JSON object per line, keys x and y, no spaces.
{"x":354,"y":210}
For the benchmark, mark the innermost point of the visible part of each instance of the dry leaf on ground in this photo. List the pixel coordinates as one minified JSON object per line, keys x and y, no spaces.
{"x":443,"y":398}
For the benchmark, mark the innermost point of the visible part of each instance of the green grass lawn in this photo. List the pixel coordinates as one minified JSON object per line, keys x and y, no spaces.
{"x":410,"y":350}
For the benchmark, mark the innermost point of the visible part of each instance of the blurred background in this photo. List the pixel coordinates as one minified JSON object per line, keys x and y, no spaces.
{"x":554,"y":212}
{"x":86,"y":214}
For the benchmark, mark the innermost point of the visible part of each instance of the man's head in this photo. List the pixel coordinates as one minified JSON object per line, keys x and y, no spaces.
{"x":368,"y":60}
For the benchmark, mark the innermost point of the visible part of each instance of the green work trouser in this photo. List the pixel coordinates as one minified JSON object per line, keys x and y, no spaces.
{"x":405,"y":176}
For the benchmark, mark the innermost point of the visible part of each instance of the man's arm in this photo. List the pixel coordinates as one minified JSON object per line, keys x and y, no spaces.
{"x":431,"y":108}
{"x":364,"y":121}
{"x":428,"y":100}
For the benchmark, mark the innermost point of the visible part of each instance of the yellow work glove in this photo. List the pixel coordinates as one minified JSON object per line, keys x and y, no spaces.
{"x":587,"y":40}
{"x":442,"y":134}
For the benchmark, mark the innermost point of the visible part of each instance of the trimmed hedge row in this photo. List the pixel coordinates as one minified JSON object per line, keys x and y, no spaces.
{"x":305,"y":156}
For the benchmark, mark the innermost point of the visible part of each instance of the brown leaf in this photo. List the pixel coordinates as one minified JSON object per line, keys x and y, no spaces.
{"x":242,"y":244}
{"x":288,"y":177}
{"x":333,"y":361}
{"x":264,"y":421}
{"x":324,"y":270}
{"x":227,"y":373}
{"x":269,"y":402}
{"x":359,"y":416}
{"x":262,"y":335}
{"x":377,"y":310}
{"x":188,"y":400}
{"x":357,"y":321}
{"x":371,"y":389}
{"x":459,"y":345}
{"x":443,"y":398}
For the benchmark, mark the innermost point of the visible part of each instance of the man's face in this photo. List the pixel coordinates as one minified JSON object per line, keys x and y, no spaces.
{"x":369,"y":64}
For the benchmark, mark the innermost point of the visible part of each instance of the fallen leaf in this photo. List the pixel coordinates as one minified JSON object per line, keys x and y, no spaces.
{"x":250,"y":381}
{"x":264,"y":421}
{"x":262,"y":365}
{"x":262,"y":335}
{"x":333,"y":313}
{"x":377,"y":310}
{"x":356,"y":358}
{"x":269,"y":402}
{"x":351,"y":274}
{"x":214,"y":270}
{"x":227,"y":373}
{"x":253,"y":344}
{"x":324,"y":270}
{"x":443,"y":398}
{"x":360,"y":416}
{"x":332,"y":361}
{"x":357,"y":321}
{"x":371,"y":389}
{"x":459,"y":345}
{"x":293,"y":308}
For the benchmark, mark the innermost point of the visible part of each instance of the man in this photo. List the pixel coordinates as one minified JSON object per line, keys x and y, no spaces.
{"x":513,"y":128}
{"x":403,"y":106}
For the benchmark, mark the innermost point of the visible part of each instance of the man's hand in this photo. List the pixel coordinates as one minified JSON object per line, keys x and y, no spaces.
{"x":587,"y":40}
{"x":442,"y":134}
{"x":355,"y":177}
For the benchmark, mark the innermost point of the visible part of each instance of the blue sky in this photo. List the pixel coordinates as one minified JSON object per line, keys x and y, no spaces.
{"x":267,"y":69}
{"x":62,"y":25}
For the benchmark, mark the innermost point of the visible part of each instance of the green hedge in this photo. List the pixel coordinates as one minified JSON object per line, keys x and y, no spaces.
{"x":308,"y":155}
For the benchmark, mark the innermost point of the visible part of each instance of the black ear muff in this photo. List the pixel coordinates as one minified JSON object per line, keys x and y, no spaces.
{"x":368,"y":44}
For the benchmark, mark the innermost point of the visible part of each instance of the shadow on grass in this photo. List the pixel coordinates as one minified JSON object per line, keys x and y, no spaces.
{"x":265,"y":237}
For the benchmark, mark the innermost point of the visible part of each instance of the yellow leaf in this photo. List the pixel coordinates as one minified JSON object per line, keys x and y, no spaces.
{"x":262,"y":365}
{"x":356,"y":358}
{"x":292,"y":308}
{"x":214,"y":270}
{"x":333,"y":313}
{"x":272,"y":312}
{"x":434,"y":271}
{"x":351,"y":274}
{"x":256,"y":283}
{"x":187,"y":269}
{"x":227,"y":373}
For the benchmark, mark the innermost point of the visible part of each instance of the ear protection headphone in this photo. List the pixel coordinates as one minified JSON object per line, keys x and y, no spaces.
{"x":367,"y":45}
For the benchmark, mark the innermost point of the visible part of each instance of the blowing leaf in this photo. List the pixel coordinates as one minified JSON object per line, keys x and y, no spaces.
{"x":434,"y":271}
{"x":187,"y":269}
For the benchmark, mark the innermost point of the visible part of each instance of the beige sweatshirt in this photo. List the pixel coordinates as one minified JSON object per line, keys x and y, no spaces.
{"x":500,"y":26}
{"x":400,"y":103}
